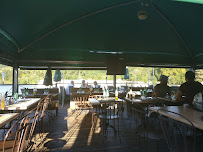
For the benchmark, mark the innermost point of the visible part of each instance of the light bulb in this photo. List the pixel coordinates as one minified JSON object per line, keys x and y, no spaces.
{"x":142,"y":15}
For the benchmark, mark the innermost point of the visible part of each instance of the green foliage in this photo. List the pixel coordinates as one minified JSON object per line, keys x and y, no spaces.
{"x":141,"y":74}
{"x":8,"y":79}
{"x":177,"y":76}
{"x":199,"y":75}
{"x":30,"y":76}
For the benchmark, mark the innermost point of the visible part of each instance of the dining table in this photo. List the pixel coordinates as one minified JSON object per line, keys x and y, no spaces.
{"x":21,"y":104}
{"x":109,"y":99}
{"x":6,"y":118}
{"x":151,"y":100}
{"x":193,"y":115}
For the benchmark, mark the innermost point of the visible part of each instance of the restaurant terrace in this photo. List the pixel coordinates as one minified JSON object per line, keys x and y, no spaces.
{"x":99,"y":35}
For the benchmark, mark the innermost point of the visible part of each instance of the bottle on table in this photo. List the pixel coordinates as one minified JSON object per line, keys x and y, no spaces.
{"x":116,"y":95}
{"x":2,"y":100}
{"x":90,"y":90}
{"x":16,"y":97}
{"x":144,"y":92}
{"x":107,"y":93}
{"x":104,"y":92}
{"x":34,"y":91}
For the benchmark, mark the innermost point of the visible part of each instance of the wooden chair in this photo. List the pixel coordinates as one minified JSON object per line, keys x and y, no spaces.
{"x":40,"y":112}
{"x":20,"y":139}
{"x":43,"y":111}
{"x":81,"y":101}
{"x":54,"y":102}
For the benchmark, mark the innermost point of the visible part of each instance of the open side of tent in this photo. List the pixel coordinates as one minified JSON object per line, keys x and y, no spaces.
{"x":85,"y":33}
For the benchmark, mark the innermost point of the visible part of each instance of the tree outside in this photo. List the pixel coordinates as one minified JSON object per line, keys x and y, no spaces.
{"x":176,"y":75}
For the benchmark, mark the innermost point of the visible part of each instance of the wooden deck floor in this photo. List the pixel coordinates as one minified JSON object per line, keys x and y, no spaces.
{"x":72,"y":132}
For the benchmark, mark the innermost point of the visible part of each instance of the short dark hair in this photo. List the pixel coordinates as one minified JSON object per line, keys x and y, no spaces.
{"x":190,"y":75}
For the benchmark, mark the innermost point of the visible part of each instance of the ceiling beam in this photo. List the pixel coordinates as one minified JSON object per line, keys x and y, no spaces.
{"x":10,"y":38}
{"x":60,"y":68}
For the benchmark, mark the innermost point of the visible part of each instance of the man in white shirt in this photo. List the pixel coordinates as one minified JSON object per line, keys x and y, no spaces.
{"x":68,"y":87}
{"x":96,"y":85}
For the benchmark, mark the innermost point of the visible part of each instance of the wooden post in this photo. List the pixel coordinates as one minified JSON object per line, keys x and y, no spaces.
{"x":15,"y":80}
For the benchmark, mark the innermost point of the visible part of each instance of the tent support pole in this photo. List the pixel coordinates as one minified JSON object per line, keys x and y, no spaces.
{"x":153,"y":77}
{"x":114,"y":82}
{"x":63,"y":91}
{"x":148,"y":76}
{"x":15,"y":80}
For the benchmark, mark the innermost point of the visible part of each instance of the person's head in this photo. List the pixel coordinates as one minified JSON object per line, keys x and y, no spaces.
{"x":163,"y":79}
{"x":83,"y":81}
{"x":189,"y":76}
{"x":72,"y":82}
{"x":95,"y":83}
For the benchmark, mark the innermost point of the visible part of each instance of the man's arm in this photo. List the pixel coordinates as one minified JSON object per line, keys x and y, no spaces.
{"x":179,"y":96}
{"x":155,"y":93}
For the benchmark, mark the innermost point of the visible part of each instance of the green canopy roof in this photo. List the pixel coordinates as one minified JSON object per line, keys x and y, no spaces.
{"x":86,"y":32}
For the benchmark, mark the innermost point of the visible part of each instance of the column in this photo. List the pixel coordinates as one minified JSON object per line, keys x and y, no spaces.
{"x":114,"y":82}
{"x":15,"y":80}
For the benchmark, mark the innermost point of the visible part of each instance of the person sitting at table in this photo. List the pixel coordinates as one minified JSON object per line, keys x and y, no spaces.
{"x":162,"y":89}
{"x":96,"y":85}
{"x":190,"y":88}
{"x":68,"y":89}
{"x":84,"y":85}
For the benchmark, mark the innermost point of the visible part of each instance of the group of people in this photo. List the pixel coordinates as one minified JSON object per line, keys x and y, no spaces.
{"x":83,"y":85}
{"x":189,"y":89}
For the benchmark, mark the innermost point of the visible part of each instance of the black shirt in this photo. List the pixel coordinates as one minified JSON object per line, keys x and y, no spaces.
{"x":162,"y":90}
{"x":190,"y":89}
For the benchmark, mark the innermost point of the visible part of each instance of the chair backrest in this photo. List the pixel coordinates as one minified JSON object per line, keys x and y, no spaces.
{"x":140,"y":116}
{"x":177,"y":133}
{"x":54,"y":90}
{"x":44,"y":106}
{"x":40,"y":91}
{"x":30,"y":91}
{"x":74,"y":90}
{"x":34,"y":118}
{"x":97,"y":90}
{"x":81,"y":98}
{"x":22,"y":136}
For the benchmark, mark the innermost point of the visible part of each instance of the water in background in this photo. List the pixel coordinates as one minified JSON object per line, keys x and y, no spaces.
{"x":8,"y":87}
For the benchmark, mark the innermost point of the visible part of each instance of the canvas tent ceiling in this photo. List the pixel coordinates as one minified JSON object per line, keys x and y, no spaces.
{"x":84,"y":33}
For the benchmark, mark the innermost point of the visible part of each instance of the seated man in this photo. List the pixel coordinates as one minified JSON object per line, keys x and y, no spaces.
{"x":162,"y":89}
{"x":190,"y":88}
{"x":84,"y":85}
{"x":96,"y":85}
{"x":68,"y":89}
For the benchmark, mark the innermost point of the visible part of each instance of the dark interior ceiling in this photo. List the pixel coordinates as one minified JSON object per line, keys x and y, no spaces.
{"x":85,"y":33}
